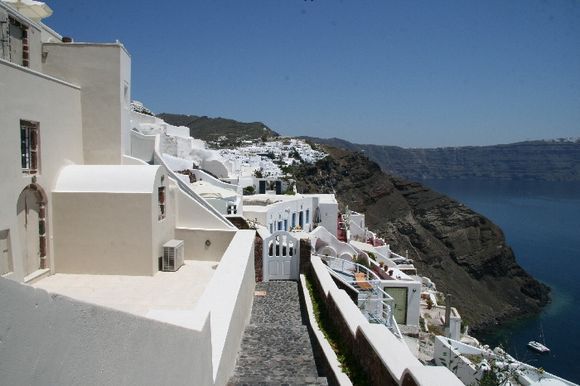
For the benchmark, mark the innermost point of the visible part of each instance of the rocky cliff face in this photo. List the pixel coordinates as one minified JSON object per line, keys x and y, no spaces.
{"x":532,"y":160}
{"x":462,"y":251}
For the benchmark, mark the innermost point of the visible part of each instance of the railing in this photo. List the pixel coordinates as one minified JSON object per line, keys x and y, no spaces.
{"x":158,"y":160}
{"x":375,"y":304}
{"x":203,"y":175}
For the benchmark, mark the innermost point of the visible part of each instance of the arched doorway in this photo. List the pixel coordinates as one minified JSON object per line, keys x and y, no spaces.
{"x":31,"y":212}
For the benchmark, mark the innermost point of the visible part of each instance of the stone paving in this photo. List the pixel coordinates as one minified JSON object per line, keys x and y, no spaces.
{"x":276,"y":347}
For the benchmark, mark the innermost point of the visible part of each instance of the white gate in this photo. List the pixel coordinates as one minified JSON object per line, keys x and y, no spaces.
{"x":281,"y":257}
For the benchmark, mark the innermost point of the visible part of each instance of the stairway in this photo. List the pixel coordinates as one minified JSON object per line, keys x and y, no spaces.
{"x":276,"y":347}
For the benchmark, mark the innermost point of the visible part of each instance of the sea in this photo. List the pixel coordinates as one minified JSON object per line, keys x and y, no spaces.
{"x":541,"y":222}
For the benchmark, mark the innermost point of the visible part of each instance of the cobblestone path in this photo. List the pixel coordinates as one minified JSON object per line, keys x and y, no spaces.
{"x":276,"y":348}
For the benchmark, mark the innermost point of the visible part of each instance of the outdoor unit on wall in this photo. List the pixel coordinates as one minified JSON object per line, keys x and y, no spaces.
{"x":172,"y":255}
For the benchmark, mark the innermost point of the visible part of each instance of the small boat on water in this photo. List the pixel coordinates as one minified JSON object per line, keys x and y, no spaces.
{"x":537,"y":346}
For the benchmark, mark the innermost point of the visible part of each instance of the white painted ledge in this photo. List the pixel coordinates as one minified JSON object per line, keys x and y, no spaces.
{"x":329,"y":353}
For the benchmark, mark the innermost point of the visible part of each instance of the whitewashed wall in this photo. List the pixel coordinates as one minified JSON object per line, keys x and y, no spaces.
{"x":102,"y":71}
{"x":56,"y":105}
{"x":228,"y":299}
{"x":339,"y":248}
{"x":202,"y":244}
{"x":393,"y":353}
{"x":49,"y":339}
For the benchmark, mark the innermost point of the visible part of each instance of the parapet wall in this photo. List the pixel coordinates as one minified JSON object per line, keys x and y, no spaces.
{"x":385,"y":359}
{"x":48,"y":339}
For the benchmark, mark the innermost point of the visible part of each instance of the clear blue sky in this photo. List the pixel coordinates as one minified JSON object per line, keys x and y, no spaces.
{"x":408,"y":73}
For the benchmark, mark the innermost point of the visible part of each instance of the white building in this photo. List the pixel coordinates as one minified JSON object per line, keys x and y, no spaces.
{"x":90,"y":214}
{"x":304,"y":212}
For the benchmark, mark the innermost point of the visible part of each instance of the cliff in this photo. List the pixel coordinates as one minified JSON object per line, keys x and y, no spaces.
{"x":462,"y":251}
{"x":557,"y":160}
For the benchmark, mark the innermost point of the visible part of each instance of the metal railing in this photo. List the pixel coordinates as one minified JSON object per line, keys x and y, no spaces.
{"x":375,"y":304}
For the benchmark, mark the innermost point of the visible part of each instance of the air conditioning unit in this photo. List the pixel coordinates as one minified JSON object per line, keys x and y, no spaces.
{"x":172,"y":255}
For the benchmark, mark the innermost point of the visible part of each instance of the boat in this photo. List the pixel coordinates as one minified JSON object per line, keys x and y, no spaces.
{"x":537,"y":346}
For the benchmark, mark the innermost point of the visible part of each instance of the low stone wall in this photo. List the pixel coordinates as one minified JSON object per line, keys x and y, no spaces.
{"x":259,"y":258}
{"x":305,"y":252}
{"x":385,"y":359}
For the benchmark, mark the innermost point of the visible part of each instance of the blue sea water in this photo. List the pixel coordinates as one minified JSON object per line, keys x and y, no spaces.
{"x":541,"y":222}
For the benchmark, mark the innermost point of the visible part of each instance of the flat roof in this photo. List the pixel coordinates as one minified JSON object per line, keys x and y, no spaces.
{"x":323,"y":198}
{"x":136,"y":294}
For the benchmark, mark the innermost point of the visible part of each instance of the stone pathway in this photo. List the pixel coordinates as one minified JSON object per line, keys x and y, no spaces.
{"x":276,"y":347}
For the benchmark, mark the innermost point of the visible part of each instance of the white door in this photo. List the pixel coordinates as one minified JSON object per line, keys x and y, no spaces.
{"x":281,"y":257}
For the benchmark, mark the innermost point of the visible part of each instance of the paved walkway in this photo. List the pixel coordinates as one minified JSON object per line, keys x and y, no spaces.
{"x":276,"y":347}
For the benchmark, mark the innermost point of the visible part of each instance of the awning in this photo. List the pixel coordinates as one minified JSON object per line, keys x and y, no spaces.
{"x":35,"y":10}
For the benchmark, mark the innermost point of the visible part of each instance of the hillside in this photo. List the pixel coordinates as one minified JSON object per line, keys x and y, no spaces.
{"x":211,"y":129}
{"x":462,"y":251}
{"x":532,"y":160}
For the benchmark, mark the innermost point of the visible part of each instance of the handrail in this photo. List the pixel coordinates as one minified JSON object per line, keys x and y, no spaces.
{"x":158,"y":160}
{"x":216,"y":182}
{"x":376,"y":294}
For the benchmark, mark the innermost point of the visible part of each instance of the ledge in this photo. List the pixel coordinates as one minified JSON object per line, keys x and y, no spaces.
{"x":329,"y":353}
{"x":36,"y":275}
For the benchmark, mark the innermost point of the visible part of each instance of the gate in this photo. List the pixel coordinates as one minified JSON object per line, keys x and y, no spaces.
{"x":281,"y":255}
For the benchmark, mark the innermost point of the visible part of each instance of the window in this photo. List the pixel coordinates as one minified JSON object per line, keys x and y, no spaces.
{"x":271,"y":228}
{"x":293,"y":220}
{"x":285,"y":225}
{"x":279,"y":225}
{"x":307,"y":216}
{"x":161,"y":199}
{"x":29,"y":147}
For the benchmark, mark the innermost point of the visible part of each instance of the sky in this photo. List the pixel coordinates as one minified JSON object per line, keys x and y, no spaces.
{"x":408,"y":73}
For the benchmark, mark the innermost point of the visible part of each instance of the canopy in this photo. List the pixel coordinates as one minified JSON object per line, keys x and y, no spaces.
{"x":35,"y":10}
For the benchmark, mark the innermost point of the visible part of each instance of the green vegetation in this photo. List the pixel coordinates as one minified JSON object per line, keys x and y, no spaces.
{"x":362,"y":260}
{"x":436,"y":329}
{"x":249,"y":190}
{"x":347,"y":361}
{"x":489,"y":379}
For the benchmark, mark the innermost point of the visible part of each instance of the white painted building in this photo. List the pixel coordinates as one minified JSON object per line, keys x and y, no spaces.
{"x":90,"y":214}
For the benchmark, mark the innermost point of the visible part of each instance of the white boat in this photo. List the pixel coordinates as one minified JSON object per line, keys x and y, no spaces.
{"x":538,"y":346}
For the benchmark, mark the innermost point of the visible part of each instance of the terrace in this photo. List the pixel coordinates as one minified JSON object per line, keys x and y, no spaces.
{"x":136,"y":294}
{"x":375,"y":304}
